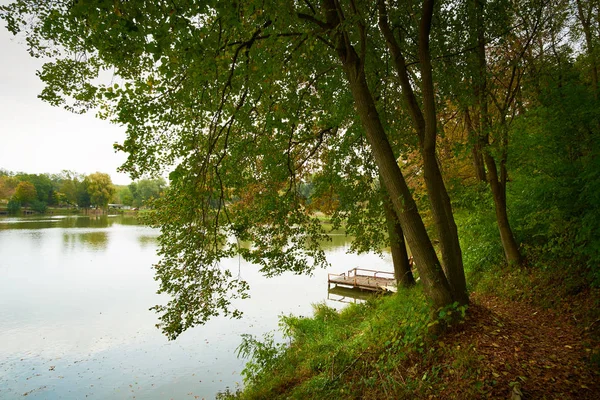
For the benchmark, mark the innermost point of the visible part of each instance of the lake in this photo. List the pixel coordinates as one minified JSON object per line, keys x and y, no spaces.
{"x":75,"y":294}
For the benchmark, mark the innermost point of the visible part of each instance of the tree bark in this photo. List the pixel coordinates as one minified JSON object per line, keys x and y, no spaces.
{"x":478,"y":163}
{"x":434,"y":281}
{"x":402,"y":266}
{"x":509,"y":244}
{"x":425,"y":123}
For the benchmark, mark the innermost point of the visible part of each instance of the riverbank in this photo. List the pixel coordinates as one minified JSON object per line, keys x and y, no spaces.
{"x":527,"y":334}
{"x":67,"y":211}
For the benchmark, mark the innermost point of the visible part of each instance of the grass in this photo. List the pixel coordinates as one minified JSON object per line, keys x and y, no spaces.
{"x":382,"y":348}
{"x":365,"y":351}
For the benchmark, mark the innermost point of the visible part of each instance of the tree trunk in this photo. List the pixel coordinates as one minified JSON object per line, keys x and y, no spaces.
{"x":509,"y":244}
{"x":478,"y":163}
{"x":434,"y":281}
{"x":497,"y":183}
{"x":402,"y":266}
{"x":446,"y":227}
{"x":586,"y":24}
{"x":425,"y":123}
{"x":430,"y":270}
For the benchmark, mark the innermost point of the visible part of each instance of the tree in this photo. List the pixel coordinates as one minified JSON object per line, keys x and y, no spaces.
{"x":136,"y":200}
{"x":244,"y":103}
{"x":67,"y":182}
{"x":39,"y":206}
{"x":100,"y":189}
{"x":497,"y":87}
{"x":25,"y":193}
{"x":83,"y":195}
{"x":353,"y":64}
{"x":587,"y":14}
{"x":124,"y":196}
{"x":146,"y":189}
{"x":8,"y":184}
{"x":13,"y":206}
{"x":44,"y":186}
{"x":425,"y":122}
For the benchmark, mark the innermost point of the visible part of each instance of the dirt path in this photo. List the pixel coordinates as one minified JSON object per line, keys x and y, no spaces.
{"x":515,"y":342}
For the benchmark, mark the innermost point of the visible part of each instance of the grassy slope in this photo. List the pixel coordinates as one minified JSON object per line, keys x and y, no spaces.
{"x":381,"y":349}
{"x":534,"y":328}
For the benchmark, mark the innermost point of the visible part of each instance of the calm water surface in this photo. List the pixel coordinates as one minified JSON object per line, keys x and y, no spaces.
{"x":75,"y":324}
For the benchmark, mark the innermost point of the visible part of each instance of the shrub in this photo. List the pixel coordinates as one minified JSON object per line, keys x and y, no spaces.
{"x":13,"y":207}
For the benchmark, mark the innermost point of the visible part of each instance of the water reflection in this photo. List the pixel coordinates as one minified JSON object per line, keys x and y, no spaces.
{"x":338,"y":240}
{"x":351,"y":295}
{"x":96,"y":240}
{"x":74,"y":320}
{"x":67,"y":221}
{"x":147,"y":241}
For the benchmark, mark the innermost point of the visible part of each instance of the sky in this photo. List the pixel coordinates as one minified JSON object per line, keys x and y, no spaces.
{"x":36,"y":137}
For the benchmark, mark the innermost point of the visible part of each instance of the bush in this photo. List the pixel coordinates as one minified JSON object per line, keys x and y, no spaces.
{"x":13,"y":207}
{"x":554,"y":195}
{"x":39,"y":206}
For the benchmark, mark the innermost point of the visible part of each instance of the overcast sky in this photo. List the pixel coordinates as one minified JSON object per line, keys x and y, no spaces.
{"x":36,"y":137}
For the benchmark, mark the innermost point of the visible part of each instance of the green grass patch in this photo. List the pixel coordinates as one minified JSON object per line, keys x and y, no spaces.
{"x":366,"y":350}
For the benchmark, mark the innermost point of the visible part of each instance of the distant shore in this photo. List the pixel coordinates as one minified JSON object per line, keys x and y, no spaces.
{"x":68,"y":211}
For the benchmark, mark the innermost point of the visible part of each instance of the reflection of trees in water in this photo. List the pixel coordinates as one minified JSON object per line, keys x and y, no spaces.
{"x":104,"y":221}
{"x":126,"y":220}
{"x":95,"y":240}
{"x":95,"y":221}
{"x":338,"y":239}
{"x":87,"y":221}
{"x":43,"y":222}
{"x":147,"y":241}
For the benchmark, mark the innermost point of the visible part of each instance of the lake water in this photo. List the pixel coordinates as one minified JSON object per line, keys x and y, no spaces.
{"x":74,"y":320}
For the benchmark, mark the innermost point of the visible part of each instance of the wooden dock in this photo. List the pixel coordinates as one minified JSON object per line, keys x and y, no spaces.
{"x":366,"y":279}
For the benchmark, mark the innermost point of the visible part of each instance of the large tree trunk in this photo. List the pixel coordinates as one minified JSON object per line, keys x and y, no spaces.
{"x":446,"y":227}
{"x":425,"y":123}
{"x":434,"y":281}
{"x":430,"y":270}
{"x":402,"y":266}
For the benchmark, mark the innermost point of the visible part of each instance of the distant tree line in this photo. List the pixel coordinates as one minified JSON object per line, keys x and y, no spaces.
{"x":141,"y":193}
{"x":37,"y":192}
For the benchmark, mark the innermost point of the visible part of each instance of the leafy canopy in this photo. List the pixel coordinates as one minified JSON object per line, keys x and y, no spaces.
{"x":230,"y":96}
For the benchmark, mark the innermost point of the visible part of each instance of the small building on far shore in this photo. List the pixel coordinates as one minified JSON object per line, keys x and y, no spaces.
{"x":119,"y":206}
